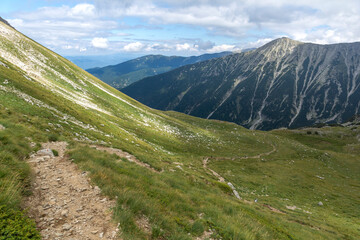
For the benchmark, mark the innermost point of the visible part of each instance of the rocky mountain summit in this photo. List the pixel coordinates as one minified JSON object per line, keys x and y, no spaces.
{"x":285,"y":83}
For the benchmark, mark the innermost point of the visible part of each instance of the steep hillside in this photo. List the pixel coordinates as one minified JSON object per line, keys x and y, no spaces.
{"x":181,"y":177}
{"x":4,"y":21}
{"x":282,"y":84}
{"x":126,"y":73}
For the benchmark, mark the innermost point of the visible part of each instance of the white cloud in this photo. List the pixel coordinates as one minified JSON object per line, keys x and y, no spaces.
{"x":222,"y":48}
{"x":182,"y":48}
{"x":79,"y":11}
{"x":239,"y":19}
{"x":63,"y":28}
{"x":83,"y":10}
{"x":219,"y":25}
{"x":258,"y":43}
{"x":185,"y":47}
{"x":99,"y":42}
{"x":134,"y":47}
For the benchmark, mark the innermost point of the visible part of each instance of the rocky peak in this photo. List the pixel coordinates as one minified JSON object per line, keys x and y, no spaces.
{"x":278,"y":48}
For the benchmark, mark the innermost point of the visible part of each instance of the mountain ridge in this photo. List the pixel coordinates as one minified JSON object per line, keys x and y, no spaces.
{"x":283,"y":76}
{"x":123,"y":74}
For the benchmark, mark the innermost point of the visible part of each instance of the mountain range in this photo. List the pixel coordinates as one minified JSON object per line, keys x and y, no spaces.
{"x":285,"y":83}
{"x":178,"y":176}
{"x":126,"y":73}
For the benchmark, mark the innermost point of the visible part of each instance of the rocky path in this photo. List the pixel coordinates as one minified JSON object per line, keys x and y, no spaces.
{"x":64,"y":204}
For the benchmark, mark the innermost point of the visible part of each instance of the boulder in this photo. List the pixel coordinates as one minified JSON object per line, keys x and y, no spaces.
{"x":2,"y":127}
{"x":45,"y":152}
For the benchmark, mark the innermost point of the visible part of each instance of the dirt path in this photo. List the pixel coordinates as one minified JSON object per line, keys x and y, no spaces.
{"x":64,"y":204}
{"x":126,"y":155}
{"x":222,"y":179}
{"x":247,"y":157}
{"x":261,"y":154}
{"x":205,"y":162}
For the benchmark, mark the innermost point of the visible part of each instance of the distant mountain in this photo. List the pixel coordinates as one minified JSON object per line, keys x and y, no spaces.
{"x":285,"y":83}
{"x":95,"y":61}
{"x":123,"y":74}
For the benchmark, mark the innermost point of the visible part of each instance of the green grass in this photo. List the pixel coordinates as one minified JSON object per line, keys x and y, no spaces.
{"x":15,"y":177}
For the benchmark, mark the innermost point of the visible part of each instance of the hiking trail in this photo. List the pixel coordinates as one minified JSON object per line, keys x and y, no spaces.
{"x":64,"y":205}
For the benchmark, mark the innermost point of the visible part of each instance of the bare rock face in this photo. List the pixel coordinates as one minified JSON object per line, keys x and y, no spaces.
{"x":284,"y":83}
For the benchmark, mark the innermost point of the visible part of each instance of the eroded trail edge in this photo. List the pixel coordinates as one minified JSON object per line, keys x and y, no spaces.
{"x":64,"y":204}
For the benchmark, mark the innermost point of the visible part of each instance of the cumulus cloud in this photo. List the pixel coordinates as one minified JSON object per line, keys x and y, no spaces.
{"x":219,"y":25}
{"x":83,"y":10}
{"x":185,"y":47}
{"x":134,"y":47}
{"x":223,"y":48}
{"x":239,"y":19}
{"x":99,"y":42}
{"x":181,"y":48}
{"x":62,"y":28}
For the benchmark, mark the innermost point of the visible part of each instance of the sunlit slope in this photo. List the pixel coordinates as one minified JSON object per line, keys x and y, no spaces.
{"x":78,"y":96}
{"x":181,"y":198}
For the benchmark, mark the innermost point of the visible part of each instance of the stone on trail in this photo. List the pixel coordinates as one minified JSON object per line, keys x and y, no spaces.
{"x":66,"y":226}
{"x":45,"y":152}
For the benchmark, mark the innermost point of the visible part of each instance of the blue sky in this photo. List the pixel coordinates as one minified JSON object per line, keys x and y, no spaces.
{"x":173,"y":27}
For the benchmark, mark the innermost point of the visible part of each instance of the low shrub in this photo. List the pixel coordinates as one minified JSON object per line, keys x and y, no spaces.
{"x":56,"y":153}
{"x":14,"y":225}
{"x":53,"y":137}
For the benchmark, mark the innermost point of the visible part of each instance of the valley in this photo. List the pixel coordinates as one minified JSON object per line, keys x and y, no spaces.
{"x":292,"y":184}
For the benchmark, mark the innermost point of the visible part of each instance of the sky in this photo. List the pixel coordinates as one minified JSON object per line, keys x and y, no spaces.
{"x":179,"y":27}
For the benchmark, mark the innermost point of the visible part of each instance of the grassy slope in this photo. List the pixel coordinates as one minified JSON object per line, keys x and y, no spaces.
{"x":180,"y":203}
